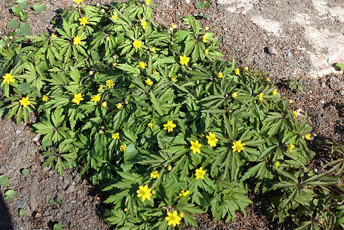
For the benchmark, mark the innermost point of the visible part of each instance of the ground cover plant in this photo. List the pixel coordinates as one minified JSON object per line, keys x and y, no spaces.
{"x":159,"y":121}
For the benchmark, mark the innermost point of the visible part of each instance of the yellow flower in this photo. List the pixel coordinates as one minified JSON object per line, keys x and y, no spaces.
{"x":195,"y":147}
{"x":200,"y":173}
{"x":154,"y":174}
{"x":290,"y":147}
{"x":268,"y":79}
{"x":169,"y":126}
{"x":25,"y":101}
{"x":45,"y":98}
{"x":77,"y":40}
{"x":115,"y":136}
{"x":137,"y":44}
{"x":114,"y":16}
{"x":142,"y":65}
{"x":173,"y":218}
{"x":237,"y":71}
{"x":100,"y":132}
{"x":114,"y":64}
{"x":294,"y":114}
{"x":205,"y":38}
{"x":206,"y":51}
{"x":277,"y":164}
{"x":212,"y":139}
{"x":53,"y":35}
{"x":220,"y":75}
{"x":100,"y":88}
{"x":234,"y":95}
{"x":144,"y":192}
{"x":125,"y":209}
{"x":290,"y":101}
{"x":104,"y":104}
{"x":8,"y":78}
{"x":155,"y":72}
{"x":169,"y":168}
{"x":182,"y":194}
{"x":246,"y":68}
{"x":149,"y":81}
{"x":174,"y":26}
{"x":206,"y":28}
{"x":148,"y":2}
{"x":174,"y":79}
{"x":77,"y":98}
{"x":122,"y":148}
{"x":83,"y":21}
{"x":261,"y":96}
{"x":153,"y":49}
{"x":184,"y":60}
{"x":181,"y":214}
{"x":78,"y":1}
{"x":237,"y":146}
{"x":119,"y":105}
{"x":107,"y":39}
{"x":308,"y":136}
{"x":143,"y":24}
{"x":95,"y":98}
{"x":150,"y":125}
{"x":274,"y":92}
{"x":231,"y":121}
{"x":91,"y":72}
{"x":109,"y":83}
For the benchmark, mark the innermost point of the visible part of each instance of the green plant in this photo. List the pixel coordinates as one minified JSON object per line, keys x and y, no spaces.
{"x":25,"y":172}
{"x":160,"y":121}
{"x":59,"y":202}
{"x":10,"y":195}
{"x":295,"y":84}
{"x":200,"y":4}
{"x":57,"y":226}
{"x":22,"y":212}
{"x":4,"y":181}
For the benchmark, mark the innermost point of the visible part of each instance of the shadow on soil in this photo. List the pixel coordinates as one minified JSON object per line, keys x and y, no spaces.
{"x":5,"y":216}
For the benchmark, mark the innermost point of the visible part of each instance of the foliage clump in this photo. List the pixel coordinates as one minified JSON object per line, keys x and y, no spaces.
{"x":160,"y":121}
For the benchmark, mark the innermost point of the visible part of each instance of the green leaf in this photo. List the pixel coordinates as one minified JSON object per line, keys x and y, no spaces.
{"x":13,"y":23}
{"x":22,"y":212}
{"x":10,"y":195}
{"x":18,"y":11}
{"x":57,"y":227}
{"x":20,"y":1}
{"x":25,"y":172}
{"x":4,"y":180}
{"x":131,"y":155}
{"x":23,"y":30}
{"x":340,"y":65}
{"x":24,"y":88}
{"x":39,"y":8}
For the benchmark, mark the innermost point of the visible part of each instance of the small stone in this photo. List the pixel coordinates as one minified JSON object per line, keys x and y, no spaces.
{"x":36,"y":138}
{"x":341,"y":92}
{"x":259,"y":203}
{"x":73,"y":201}
{"x":38,"y":215}
{"x":272,"y":50}
{"x":21,"y":204}
{"x":289,"y":54}
{"x":18,"y":131}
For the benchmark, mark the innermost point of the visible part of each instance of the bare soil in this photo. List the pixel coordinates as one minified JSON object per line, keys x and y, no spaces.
{"x":78,"y":204}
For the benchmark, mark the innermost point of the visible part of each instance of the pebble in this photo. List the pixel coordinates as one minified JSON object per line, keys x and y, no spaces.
{"x":73,"y":201}
{"x":272,"y":50}
{"x":289,"y":54}
{"x":341,"y":92}
{"x":36,"y":138}
{"x":21,"y":204}
{"x":18,"y":131}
